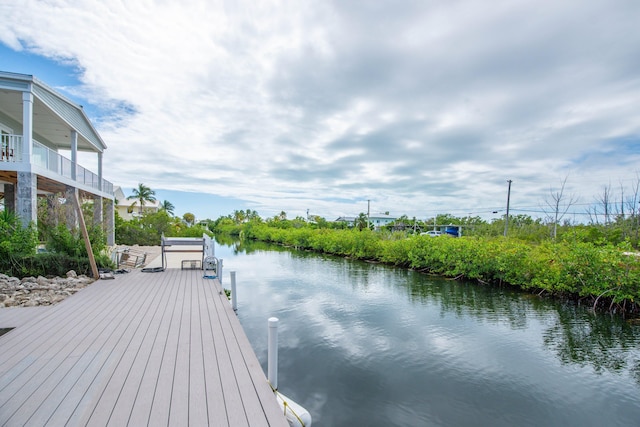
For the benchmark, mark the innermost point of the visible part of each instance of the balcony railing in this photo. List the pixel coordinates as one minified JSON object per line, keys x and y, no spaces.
{"x":11,"y":148}
{"x":48,"y":159}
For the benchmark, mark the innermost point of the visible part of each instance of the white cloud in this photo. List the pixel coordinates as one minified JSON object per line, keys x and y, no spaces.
{"x":291,"y":105}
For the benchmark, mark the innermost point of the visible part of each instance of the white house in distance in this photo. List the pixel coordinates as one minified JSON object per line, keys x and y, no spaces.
{"x":375,"y":220}
{"x":35,"y":123}
{"x":129,"y":208}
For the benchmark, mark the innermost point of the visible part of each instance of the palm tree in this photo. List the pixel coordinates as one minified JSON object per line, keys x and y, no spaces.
{"x":252,"y":215}
{"x":167,"y":206}
{"x":239,"y":216}
{"x":362,"y":221}
{"x":144,"y":194}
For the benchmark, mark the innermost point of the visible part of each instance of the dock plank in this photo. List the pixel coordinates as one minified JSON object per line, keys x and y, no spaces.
{"x":231,"y":389}
{"x":56,"y":359}
{"x":198,"y":415}
{"x":160,"y":409}
{"x":143,"y":349}
{"x":217,"y":412}
{"x":141,"y":411}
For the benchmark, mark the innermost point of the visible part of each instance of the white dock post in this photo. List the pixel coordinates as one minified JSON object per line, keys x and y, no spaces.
{"x":234,"y":299}
{"x":219,"y":270}
{"x":272,"y":357}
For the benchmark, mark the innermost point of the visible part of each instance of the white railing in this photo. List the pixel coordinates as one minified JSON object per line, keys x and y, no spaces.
{"x":11,"y":148}
{"x":48,"y":159}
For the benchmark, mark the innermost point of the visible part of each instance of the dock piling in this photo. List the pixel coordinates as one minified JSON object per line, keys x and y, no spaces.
{"x":234,"y":299}
{"x":272,"y":358}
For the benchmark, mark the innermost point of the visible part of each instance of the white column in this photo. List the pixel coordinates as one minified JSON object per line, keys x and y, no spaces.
{"x":74,"y":153}
{"x":27,"y":126}
{"x":100,"y":171}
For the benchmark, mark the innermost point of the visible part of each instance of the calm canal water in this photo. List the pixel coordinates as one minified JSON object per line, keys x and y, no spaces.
{"x":369,"y":345}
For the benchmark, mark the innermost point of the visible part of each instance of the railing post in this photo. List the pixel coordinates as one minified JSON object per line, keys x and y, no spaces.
{"x":272,"y":357}
{"x":234,"y":299}
{"x":219,"y":270}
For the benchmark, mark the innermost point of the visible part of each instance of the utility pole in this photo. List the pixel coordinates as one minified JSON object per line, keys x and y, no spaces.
{"x":506,"y":221}
{"x":368,"y":213}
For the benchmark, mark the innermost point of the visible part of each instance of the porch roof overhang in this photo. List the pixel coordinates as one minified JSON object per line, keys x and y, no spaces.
{"x":54,"y":116}
{"x":51,"y":184}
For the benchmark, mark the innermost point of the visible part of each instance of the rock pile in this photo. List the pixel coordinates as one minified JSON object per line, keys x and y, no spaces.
{"x":32,"y":291}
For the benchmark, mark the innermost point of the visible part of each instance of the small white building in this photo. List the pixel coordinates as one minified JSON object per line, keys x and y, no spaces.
{"x":377,"y":221}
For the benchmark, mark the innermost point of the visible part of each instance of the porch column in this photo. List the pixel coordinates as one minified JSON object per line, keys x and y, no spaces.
{"x":74,"y":153}
{"x":53,"y":209}
{"x":100,"y":171}
{"x":27,"y":198}
{"x":97,"y":211}
{"x":27,"y":126}
{"x":69,"y":209}
{"x":10,"y":198}
{"x":111,"y":220}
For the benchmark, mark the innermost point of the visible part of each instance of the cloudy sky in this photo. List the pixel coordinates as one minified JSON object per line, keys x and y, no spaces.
{"x":422,"y":107}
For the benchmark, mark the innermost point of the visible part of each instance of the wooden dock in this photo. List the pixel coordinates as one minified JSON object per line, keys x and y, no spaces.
{"x":145,"y":349}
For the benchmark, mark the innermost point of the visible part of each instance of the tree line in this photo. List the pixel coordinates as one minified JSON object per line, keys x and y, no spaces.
{"x":579,"y":263}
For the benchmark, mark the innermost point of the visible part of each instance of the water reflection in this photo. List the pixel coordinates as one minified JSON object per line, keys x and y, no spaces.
{"x":603,"y":342}
{"x":367,"y":344}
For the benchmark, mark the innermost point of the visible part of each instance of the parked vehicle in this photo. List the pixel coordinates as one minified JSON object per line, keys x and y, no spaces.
{"x":432,"y":233}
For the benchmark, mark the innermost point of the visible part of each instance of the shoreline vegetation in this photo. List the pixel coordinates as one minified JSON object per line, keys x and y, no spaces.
{"x":596,"y":265}
{"x":606,"y":277}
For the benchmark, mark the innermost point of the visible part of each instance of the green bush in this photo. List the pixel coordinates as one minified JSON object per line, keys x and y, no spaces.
{"x":148,"y":229}
{"x":71,"y":241}
{"x":566,"y":267}
{"x":49,"y":264}
{"x":16,"y":240}
{"x":66,"y":248}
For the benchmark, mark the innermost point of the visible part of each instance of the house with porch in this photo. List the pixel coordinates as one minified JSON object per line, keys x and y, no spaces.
{"x":36,"y":123}
{"x":129,"y":207}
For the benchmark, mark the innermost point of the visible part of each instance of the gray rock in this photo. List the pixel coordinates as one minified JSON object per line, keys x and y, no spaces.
{"x":31,"y":291}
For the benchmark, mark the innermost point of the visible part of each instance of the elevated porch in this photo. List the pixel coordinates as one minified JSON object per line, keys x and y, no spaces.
{"x":36,"y":123}
{"x":57,"y":170}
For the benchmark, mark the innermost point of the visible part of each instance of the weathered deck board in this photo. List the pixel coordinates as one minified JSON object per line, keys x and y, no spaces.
{"x":143,"y":349}
{"x":16,"y":316}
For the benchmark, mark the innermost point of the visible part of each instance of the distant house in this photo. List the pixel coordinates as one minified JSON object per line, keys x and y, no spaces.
{"x":381,"y":221}
{"x":36,"y":122}
{"x":375,"y":220}
{"x":129,"y":208}
{"x":350,"y":220}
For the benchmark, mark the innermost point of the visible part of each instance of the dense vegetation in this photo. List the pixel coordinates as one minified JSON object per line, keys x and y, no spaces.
{"x":579,"y":263}
{"x":65,"y":248}
{"x":62,"y":247}
{"x":147,"y":230}
{"x":597,"y":263}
